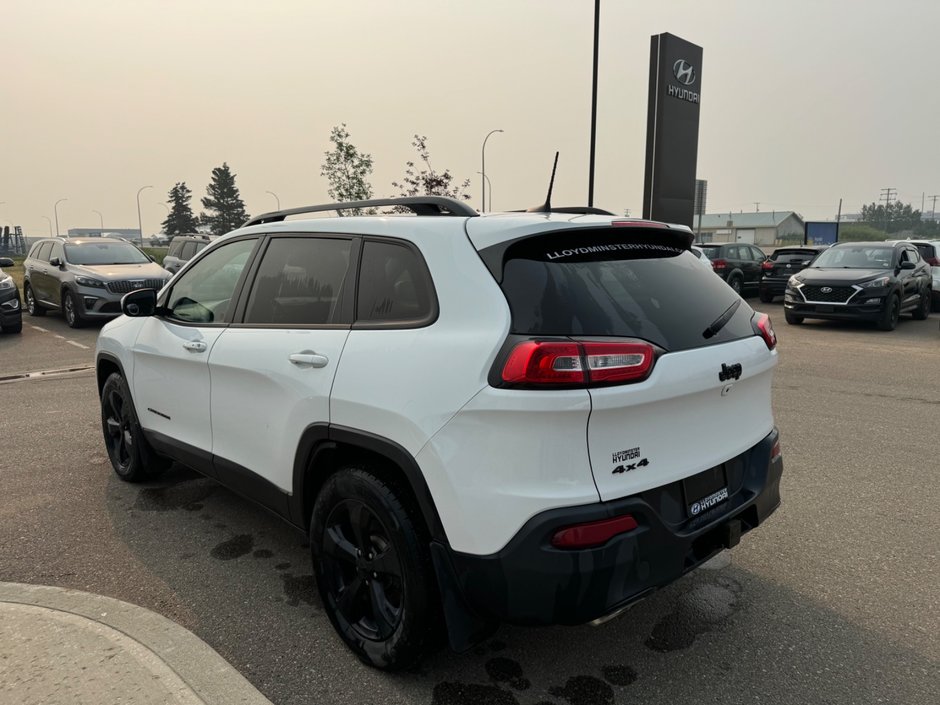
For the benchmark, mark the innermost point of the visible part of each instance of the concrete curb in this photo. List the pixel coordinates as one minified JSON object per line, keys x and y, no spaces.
{"x":195,"y":669}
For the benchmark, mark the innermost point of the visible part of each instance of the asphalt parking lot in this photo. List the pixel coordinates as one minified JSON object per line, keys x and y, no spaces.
{"x":834,"y":600}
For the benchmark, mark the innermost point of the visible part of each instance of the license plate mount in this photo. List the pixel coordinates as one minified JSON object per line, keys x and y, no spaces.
{"x":705,"y":490}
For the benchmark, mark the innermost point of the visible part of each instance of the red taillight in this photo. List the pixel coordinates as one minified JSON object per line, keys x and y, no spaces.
{"x":719,"y":264}
{"x":639,"y":224}
{"x":775,"y":451}
{"x":577,"y":363}
{"x":594,"y":533}
{"x":765,"y":329}
{"x":767,"y":265}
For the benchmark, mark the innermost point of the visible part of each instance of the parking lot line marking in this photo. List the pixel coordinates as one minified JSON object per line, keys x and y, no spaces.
{"x":77,"y":345}
{"x":60,"y":337}
{"x":41,"y":330}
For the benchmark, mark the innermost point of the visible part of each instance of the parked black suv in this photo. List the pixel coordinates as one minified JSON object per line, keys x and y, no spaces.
{"x":182,"y":249}
{"x":11,"y":315}
{"x":738,"y":263}
{"x":783,"y":264}
{"x":867,"y":281}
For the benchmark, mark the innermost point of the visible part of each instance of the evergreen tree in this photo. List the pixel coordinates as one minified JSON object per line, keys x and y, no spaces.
{"x":222,"y":200}
{"x":346,"y":168}
{"x":181,"y":219}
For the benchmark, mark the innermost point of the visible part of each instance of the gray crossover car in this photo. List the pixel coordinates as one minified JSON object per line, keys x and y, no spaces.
{"x":85,"y":278}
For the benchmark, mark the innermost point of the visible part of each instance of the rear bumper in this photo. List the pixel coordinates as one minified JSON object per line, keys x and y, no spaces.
{"x":531,"y":582}
{"x":774,"y":287}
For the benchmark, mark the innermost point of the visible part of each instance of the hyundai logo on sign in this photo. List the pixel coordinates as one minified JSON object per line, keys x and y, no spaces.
{"x":684,"y":72}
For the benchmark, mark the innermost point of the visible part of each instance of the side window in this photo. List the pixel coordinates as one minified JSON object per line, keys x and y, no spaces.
{"x":200,"y":246}
{"x":175,"y":248}
{"x":57,"y":251}
{"x":914,"y":255}
{"x":34,"y":250}
{"x":300,"y":282}
{"x":204,"y":293}
{"x":758,"y":254}
{"x":394,"y":285}
{"x":43,"y":254}
{"x":189,"y":249}
{"x":731,"y":252}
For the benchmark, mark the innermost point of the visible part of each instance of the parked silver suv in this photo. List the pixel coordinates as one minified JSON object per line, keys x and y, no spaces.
{"x":85,"y":278}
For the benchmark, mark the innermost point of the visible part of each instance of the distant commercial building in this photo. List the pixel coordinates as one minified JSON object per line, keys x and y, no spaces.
{"x":765,"y":228}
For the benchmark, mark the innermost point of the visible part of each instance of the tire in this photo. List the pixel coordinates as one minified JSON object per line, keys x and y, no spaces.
{"x":70,"y":310}
{"x":736,"y":284}
{"x":131,"y":457}
{"x":923,"y":308}
{"x":766,"y":297}
{"x":32,"y":306}
{"x":792,"y":318}
{"x":890,"y":313}
{"x":373,"y":570}
{"x":14,"y":327}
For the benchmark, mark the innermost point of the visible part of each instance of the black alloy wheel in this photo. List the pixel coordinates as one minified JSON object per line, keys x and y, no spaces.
{"x":130,"y":457}
{"x":891,"y":313}
{"x":69,"y":308}
{"x":923,"y":306}
{"x":736,"y":284}
{"x":372,"y":564}
{"x":32,"y":306}
{"x":792,"y":319}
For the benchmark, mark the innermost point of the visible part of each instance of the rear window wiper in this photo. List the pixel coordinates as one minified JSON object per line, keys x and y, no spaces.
{"x":720,"y":322}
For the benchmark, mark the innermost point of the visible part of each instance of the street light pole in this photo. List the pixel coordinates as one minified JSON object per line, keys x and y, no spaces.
{"x":100,"y":222}
{"x":489,"y":183}
{"x":50,"y":224}
{"x":597,"y":31}
{"x":277,"y":200}
{"x":56,"y":209}
{"x":483,"y":172}
{"x":140,"y":224}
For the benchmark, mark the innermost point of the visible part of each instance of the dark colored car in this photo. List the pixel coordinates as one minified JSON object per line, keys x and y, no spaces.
{"x":11,"y":314}
{"x":738,"y":263}
{"x":863,"y":281}
{"x":783,"y":264}
{"x":182,"y":249}
{"x":930,"y":251}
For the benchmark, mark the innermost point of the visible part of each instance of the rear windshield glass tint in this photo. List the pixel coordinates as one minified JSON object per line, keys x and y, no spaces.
{"x":610,"y":283}
{"x":792,"y":256}
{"x":712,"y":252}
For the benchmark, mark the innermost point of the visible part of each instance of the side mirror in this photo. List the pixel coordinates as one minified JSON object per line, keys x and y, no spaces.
{"x":142,"y":302}
{"x":7,"y":262}
{"x":907,"y":265}
{"x":56,"y":262}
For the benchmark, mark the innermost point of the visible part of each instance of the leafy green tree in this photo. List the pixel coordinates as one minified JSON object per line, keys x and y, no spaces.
{"x":346,"y":168}
{"x":426,"y":181}
{"x":860,"y":232}
{"x":181,"y":218}
{"x":895,"y":217}
{"x":227,"y":210}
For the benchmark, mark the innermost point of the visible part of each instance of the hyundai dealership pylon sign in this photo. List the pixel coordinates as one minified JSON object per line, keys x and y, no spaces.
{"x":672,"y":129}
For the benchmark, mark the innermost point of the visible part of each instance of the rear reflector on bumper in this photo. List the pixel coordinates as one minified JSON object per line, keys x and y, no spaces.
{"x":593,"y":534}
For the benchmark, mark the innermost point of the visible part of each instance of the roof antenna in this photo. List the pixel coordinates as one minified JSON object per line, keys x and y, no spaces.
{"x":547,"y":207}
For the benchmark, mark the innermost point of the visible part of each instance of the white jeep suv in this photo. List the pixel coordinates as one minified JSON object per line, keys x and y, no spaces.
{"x":536,"y":418}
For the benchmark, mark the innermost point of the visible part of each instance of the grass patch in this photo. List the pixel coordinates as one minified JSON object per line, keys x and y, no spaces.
{"x":158,"y":253}
{"x":16,"y":272}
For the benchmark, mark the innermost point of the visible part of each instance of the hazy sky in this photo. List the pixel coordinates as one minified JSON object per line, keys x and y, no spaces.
{"x":803,"y":101}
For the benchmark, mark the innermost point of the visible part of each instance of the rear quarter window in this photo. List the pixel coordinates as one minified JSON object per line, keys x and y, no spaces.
{"x":394,"y":287}
{"x":617,"y":285}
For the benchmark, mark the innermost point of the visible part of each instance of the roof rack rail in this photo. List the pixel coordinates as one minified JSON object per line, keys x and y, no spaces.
{"x":574,"y":210}
{"x":420,"y":205}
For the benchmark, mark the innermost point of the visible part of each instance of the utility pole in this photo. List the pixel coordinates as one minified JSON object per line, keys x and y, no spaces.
{"x":756,"y":206}
{"x":888,"y":195}
{"x":933,"y":209}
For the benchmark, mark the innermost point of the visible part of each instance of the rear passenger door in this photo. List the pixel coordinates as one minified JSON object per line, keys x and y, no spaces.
{"x":273,"y":368}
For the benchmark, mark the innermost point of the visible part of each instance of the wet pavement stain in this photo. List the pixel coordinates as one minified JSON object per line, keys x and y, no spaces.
{"x":263,"y":553}
{"x":300,"y":588}
{"x":181,"y":496}
{"x":282,"y":566}
{"x":619,"y":675}
{"x":471,"y":694}
{"x":504,"y":670}
{"x":585,"y":690}
{"x":697,"y":612}
{"x":233,"y":548}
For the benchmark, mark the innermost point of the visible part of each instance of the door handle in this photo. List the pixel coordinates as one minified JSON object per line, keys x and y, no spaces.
{"x":308,"y":358}
{"x":195,"y":346}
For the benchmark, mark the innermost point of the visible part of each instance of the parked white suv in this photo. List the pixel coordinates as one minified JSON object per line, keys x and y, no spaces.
{"x":535,"y":418}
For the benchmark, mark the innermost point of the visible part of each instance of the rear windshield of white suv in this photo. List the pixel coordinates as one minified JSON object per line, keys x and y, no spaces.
{"x":615,"y":282}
